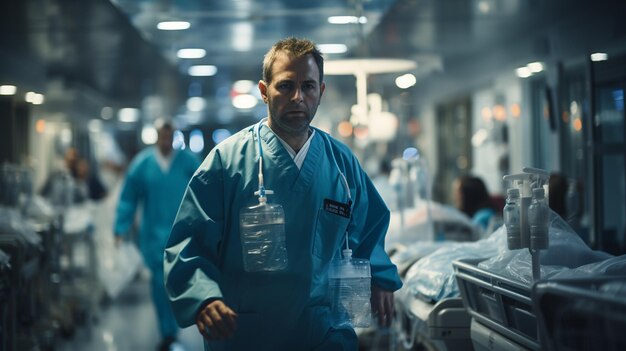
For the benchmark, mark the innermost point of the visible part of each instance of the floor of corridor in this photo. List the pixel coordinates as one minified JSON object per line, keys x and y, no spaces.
{"x":125,"y":324}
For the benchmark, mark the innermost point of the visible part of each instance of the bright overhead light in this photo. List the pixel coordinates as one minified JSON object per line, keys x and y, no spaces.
{"x":191,"y":53}
{"x":483,"y":7}
{"x":347,"y":19}
{"x":243,"y":35}
{"x":8,"y":89}
{"x":406,"y":81}
{"x":38,"y":99}
{"x":173,"y":25}
{"x":523,"y":72}
{"x":149,"y":135}
{"x":202,"y":70}
{"x":34,"y":98}
{"x":128,"y":115}
{"x":367,"y":66}
{"x":535,"y":67}
{"x":196,"y":141}
{"x":245,"y":101}
{"x":196,"y":104}
{"x":332,"y":48}
{"x":243,"y":86}
{"x":599,"y":56}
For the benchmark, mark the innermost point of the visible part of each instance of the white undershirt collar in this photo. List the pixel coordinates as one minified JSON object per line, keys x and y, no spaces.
{"x":164,"y":162}
{"x":298,"y":158}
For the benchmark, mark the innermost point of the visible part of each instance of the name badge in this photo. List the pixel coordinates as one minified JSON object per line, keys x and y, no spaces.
{"x":337,"y":208}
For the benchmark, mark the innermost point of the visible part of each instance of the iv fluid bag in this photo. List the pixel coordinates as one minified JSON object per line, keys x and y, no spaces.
{"x":262,"y":230}
{"x":350,"y":292}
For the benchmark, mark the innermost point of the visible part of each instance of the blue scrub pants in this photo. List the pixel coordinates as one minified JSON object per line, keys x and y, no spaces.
{"x":167,"y":323}
{"x":339,"y":340}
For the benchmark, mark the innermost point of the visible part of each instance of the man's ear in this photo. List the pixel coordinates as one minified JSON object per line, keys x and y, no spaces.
{"x":322,"y":88}
{"x":263,"y":89}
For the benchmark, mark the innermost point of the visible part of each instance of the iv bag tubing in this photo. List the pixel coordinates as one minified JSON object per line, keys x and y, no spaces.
{"x":262,"y":192}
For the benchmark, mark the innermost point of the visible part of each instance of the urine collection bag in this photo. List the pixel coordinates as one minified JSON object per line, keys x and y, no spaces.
{"x":262,"y":230}
{"x":350,"y":291}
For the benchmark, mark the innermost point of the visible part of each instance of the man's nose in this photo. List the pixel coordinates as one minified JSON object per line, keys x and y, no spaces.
{"x":297,"y":95}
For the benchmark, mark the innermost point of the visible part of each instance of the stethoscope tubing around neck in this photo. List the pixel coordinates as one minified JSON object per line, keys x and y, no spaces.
{"x":262,"y":192}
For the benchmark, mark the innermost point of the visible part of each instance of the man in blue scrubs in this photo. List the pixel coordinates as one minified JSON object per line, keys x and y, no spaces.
{"x":306,"y":169}
{"x":156,"y":179}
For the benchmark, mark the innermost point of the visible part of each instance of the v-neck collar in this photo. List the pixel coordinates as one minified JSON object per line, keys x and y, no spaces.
{"x":302,"y":179}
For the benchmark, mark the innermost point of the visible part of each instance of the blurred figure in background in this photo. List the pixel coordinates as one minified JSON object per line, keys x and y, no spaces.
{"x":472,"y":198}
{"x":565,"y":198}
{"x":558,"y":186}
{"x":74,"y":182}
{"x":88,"y":180}
{"x":156,"y":179}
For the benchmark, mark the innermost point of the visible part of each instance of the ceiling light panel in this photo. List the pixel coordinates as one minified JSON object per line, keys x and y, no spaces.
{"x":191,"y":53}
{"x":173,"y":25}
{"x":332,"y":48}
{"x":202,"y":70}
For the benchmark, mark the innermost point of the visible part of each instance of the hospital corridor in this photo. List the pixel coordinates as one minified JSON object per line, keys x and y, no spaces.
{"x":312,"y":175}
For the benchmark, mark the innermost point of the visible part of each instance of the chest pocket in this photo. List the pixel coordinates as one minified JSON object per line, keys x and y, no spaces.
{"x":330,"y":230}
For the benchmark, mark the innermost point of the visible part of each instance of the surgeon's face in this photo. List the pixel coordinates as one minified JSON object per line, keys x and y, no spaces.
{"x":164,"y":141}
{"x":293,"y":94}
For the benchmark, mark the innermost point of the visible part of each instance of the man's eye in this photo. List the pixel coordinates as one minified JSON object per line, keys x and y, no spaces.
{"x":283,"y":86}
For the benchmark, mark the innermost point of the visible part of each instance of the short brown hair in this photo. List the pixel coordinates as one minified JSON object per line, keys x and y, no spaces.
{"x":294,"y":47}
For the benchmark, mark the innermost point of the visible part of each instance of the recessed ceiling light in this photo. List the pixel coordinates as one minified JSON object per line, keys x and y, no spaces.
{"x":243,"y":86}
{"x":191,"y":53}
{"x":8,"y":89}
{"x":523,"y":72}
{"x":599,"y":56}
{"x":405,"y":81}
{"x":244,"y":101}
{"x":34,"y":98}
{"x":347,"y":19}
{"x":332,"y":48}
{"x":128,"y":115}
{"x":202,"y":70}
{"x":173,"y":25}
{"x":535,"y":67}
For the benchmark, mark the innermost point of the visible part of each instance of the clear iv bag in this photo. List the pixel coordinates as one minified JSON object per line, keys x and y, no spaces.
{"x":262,"y":230}
{"x":350,"y":292}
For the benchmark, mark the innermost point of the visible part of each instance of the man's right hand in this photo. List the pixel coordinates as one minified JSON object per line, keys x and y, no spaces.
{"x":216,"y":321}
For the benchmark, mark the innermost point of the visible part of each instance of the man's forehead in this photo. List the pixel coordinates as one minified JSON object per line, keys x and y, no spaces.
{"x":288,"y":66}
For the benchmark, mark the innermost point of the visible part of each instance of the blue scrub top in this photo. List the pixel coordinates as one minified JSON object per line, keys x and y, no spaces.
{"x":159,"y":194}
{"x":482,"y":218}
{"x":287,"y":309}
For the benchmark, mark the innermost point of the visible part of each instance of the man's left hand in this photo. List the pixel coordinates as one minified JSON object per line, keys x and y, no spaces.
{"x":382,"y":306}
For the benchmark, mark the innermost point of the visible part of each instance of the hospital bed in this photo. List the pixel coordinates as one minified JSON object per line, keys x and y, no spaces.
{"x":421,"y":323}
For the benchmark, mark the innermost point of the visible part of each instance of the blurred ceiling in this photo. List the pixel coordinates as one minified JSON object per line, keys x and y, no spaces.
{"x":111,"y":50}
{"x":237,"y":33}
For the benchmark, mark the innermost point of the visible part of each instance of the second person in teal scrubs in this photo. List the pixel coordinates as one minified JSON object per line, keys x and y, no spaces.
{"x":288,"y":309}
{"x":156,"y":181}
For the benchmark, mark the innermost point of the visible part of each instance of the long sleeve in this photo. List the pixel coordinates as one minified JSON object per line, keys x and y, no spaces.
{"x":192,"y":252}
{"x":129,"y":199}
